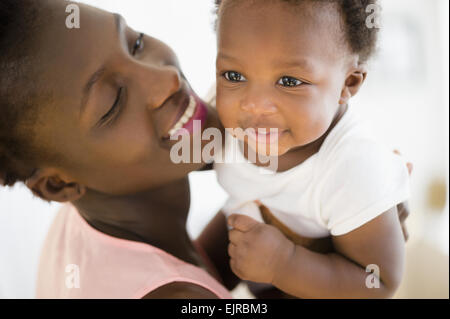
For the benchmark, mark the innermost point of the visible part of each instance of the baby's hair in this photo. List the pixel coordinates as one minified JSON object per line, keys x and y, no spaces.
{"x":362,"y":40}
{"x":19,"y":92}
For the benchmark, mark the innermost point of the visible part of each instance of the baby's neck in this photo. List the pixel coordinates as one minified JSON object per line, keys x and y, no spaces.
{"x":300,"y":154}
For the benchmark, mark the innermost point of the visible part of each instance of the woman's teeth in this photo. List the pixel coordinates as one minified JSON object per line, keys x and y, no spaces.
{"x":186,"y":116}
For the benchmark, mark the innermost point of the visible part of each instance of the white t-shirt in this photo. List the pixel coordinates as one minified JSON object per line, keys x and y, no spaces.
{"x":349,"y":182}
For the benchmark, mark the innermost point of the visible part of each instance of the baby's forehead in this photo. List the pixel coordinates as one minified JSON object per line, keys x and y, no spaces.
{"x":316,"y":9}
{"x":305,"y":27}
{"x":292,"y":17}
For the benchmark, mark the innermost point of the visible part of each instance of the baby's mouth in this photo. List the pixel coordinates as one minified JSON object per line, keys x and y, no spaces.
{"x":264,"y":135}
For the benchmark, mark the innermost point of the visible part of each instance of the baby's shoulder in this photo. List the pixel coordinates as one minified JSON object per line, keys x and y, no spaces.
{"x":351,"y":140}
{"x":359,"y":156}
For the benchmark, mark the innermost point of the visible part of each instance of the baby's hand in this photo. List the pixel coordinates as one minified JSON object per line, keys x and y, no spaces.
{"x":258,"y":251}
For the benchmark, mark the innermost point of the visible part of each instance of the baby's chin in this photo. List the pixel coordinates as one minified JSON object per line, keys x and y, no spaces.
{"x":263,"y":149}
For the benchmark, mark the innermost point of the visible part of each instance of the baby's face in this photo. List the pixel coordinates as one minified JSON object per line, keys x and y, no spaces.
{"x":280,"y":66}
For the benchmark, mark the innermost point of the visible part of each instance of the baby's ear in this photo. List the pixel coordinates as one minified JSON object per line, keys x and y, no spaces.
{"x":51,"y":185}
{"x":353,"y":82}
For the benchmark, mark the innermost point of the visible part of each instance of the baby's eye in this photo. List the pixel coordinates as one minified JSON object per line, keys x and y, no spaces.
{"x":289,"y":81}
{"x":233,"y":76}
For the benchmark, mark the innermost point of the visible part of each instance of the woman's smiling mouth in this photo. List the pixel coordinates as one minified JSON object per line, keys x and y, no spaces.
{"x":185,"y":117}
{"x":195,"y":111}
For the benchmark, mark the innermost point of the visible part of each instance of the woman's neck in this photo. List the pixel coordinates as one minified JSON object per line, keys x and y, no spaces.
{"x":156,"y":217}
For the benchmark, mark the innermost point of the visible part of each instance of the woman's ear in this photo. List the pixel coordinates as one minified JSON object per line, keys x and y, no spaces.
{"x":353,"y":83}
{"x":52,"y":186}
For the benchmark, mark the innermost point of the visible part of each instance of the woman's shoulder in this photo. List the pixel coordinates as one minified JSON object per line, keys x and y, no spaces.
{"x":110,"y":267}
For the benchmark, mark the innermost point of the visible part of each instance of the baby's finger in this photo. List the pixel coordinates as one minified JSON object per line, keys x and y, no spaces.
{"x":235,"y":268}
{"x":235,"y":236}
{"x":232,"y":250}
{"x":242,"y":222}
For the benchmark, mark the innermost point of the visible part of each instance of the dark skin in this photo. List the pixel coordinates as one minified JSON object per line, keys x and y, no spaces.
{"x":139,"y":194}
{"x":301,"y":84}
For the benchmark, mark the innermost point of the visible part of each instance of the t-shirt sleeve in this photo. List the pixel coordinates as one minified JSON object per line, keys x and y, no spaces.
{"x":362,"y":181}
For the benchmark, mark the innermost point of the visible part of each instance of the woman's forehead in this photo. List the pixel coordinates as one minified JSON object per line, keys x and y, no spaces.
{"x":67,"y":57}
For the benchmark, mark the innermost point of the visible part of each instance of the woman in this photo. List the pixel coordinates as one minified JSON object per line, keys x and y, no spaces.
{"x":85,"y":116}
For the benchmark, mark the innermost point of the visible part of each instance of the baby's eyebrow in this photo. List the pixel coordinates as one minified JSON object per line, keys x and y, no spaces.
{"x":303,"y":63}
{"x":296,"y":63}
{"x":226,"y":56}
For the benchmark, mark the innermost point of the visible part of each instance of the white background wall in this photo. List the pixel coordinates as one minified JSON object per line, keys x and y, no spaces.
{"x":406,"y":98}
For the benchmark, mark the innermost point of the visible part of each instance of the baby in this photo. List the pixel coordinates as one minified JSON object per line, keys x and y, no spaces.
{"x":293,"y":66}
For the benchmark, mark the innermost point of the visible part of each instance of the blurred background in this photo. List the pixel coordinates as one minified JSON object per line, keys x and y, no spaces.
{"x":406,"y":100}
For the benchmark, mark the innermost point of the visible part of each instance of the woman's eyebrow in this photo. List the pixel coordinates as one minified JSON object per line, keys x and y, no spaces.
{"x":119,"y":23}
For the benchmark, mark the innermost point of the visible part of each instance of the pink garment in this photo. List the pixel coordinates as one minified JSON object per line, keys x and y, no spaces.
{"x":78,"y":261}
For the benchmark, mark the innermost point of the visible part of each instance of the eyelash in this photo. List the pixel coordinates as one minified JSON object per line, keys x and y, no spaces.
{"x":109,"y":117}
{"x":138,"y":44}
{"x":227,"y":74}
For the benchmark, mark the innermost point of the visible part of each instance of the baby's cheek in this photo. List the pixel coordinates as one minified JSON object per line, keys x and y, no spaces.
{"x":311,"y":127}
{"x":227,"y":113}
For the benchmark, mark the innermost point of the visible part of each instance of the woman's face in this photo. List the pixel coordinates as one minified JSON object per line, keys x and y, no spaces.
{"x":116,"y":97}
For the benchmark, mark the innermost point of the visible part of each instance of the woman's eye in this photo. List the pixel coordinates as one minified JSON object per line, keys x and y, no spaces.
{"x":233,"y":76}
{"x":289,"y":81}
{"x":115,"y":109}
{"x":139,"y":44}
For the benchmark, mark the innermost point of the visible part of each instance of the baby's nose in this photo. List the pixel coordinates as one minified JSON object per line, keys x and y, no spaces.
{"x":258,"y":105}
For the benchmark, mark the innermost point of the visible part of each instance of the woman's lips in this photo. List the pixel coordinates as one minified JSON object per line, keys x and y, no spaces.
{"x":195,"y":111}
{"x":185,"y":117}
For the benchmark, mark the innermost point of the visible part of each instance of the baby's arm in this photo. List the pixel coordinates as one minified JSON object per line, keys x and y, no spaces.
{"x":261,"y":253}
{"x":214,"y":241}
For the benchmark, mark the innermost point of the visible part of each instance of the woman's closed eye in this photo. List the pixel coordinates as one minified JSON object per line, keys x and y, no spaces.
{"x":113,"y":112}
{"x":120,"y":100}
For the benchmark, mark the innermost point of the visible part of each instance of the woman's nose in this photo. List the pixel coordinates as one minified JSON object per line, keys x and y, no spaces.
{"x":258,"y":102}
{"x":164,"y":82}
